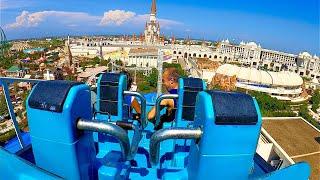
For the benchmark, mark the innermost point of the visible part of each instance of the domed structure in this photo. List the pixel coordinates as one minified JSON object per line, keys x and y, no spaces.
{"x":279,"y":84}
{"x":315,"y":80}
{"x":305,"y":55}
{"x":252,"y":44}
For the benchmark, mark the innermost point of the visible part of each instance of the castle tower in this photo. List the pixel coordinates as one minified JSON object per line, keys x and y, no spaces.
{"x":68,"y":54}
{"x":152,"y":29}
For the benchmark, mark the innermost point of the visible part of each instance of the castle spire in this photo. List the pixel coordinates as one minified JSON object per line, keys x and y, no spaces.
{"x":153,"y":7}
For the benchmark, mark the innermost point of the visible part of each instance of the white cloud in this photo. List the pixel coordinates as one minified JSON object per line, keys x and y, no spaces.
{"x":20,"y":20}
{"x":73,"y":19}
{"x":26,"y":19}
{"x":117,"y":17}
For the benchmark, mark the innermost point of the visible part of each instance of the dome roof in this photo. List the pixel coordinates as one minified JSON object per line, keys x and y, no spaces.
{"x":315,"y":80}
{"x":252,"y":44}
{"x":261,"y":77}
{"x":305,"y":54}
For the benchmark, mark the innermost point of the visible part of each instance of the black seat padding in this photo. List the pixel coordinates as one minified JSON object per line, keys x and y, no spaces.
{"x":109,"y":84}
{"x":50,"y":95}
{"x":233,"y":108}
{"x":191,"y":88}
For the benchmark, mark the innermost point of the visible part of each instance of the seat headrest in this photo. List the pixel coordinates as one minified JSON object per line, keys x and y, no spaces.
{"x":50,"y":95}
{"x":191,"y":87}
{"x":233,"y":108}
{"x":110,"y":79}
{"x":192,"y":83}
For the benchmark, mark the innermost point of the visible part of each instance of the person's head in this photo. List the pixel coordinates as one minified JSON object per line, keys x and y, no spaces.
{"x":129,"y":78}
{"x":170,"y":78}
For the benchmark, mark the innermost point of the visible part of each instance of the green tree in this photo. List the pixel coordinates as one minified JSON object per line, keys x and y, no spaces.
{"x":104,"y":62}
{"x":70,"y":78}
{"x":152,"y":79}
{"x":6,"y":62}
{"x":144,"y":87}
{"x":181,"y":72}
{"x":315,"y":100}
{"x":3,"y":105}
{"x":304,"y":112}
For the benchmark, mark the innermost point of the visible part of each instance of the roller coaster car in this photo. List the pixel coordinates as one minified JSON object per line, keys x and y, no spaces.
{"x":222,"y":137}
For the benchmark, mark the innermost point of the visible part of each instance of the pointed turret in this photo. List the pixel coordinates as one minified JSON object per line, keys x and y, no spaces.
{"x":153,"y":7}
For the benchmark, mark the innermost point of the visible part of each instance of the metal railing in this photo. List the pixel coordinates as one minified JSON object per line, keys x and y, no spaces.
{"x":158,"y":103}
{"x":5,"y":83}
{"x":143,"y":105}
{"x":170,"y":133}
{"x":108,"y":128}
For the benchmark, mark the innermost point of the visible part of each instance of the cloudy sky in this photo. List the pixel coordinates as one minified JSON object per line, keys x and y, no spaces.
{"x":286,"y":25}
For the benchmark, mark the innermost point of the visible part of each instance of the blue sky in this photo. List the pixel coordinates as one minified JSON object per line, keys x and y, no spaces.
{"x":285,"y":25}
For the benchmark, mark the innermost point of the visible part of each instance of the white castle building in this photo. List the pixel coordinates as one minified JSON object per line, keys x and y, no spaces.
{"x":254,"y":55}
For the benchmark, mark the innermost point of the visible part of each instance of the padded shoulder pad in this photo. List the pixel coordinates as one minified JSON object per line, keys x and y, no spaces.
{"x":110,"y":78}
{"x":191,"y":87}
{"x":233,"y":108}
{"x":50,"y":95}
{"x":192,"y":83}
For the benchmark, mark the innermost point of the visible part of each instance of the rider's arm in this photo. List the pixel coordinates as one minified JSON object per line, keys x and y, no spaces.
{"x":136,"y":106}
{"x":169,"y":103}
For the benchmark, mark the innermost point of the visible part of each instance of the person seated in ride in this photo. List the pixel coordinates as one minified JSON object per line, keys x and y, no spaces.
{"x":131,"y":101}
{"x":170,"y":78}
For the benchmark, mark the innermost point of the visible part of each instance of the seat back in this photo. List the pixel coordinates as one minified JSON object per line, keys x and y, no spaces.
{"x":53,"y":109}
{"x":110,"y":98}
{"x":188,"y":89}
{"x":231,"y":124}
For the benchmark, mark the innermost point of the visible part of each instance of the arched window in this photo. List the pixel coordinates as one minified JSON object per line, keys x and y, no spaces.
{"x":205,"y":55}
{"x":194,"y":55}
{"x":174,"y":52}
{"x":215,"y":57}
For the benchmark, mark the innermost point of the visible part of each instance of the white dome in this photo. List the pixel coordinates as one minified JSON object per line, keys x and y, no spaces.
{"x":252,"y":44}
{"x":315,"y":80}
{"x":305,"y":54}
{"x":261,"y":77}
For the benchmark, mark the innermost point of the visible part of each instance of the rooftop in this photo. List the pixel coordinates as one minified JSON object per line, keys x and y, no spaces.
{"x":147,"y":51}
{"x":283,"y":78}
{"x":15,"y":69}
{"x":300,"y":140}
{"x":205,"y":63}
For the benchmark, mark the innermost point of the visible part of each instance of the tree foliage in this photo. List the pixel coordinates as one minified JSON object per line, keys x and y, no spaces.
{"x":304,"y":112}
{"x":6,"y":62}
{"x":152,"y":79}
{"x":181,"y":72}
{"x":272,"y":107}
{"x":315,"y":100}
{"x":3,"y":105}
